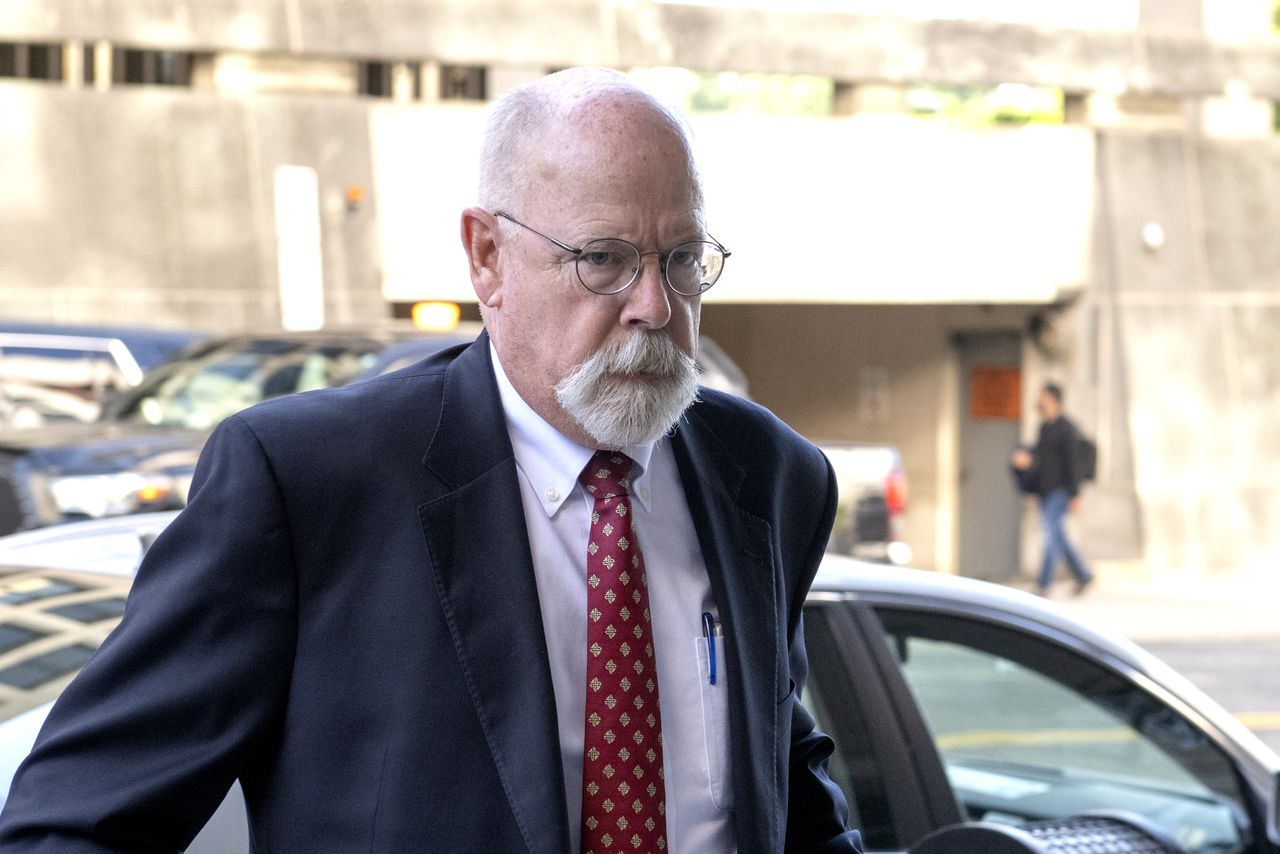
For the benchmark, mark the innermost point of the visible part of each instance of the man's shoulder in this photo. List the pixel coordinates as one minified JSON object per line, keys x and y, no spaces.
{"x":731,"y":413}
{"x":747,"y":429}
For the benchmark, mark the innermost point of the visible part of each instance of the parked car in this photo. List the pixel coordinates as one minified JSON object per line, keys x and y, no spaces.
{"x":950,"y":700}
{"x":55,"y":372}
{"x":141,"y":451}
{"x":871,"y":518}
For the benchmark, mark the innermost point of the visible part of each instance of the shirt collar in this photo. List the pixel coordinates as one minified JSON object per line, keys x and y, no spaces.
{"x":550,"y":460}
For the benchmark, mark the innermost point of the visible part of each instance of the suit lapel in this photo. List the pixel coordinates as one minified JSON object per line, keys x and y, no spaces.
{"x":737,"y":549}
{"x":479,"y":550}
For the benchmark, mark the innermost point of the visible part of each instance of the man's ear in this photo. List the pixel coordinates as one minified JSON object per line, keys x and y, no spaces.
{"x":480,"y":240}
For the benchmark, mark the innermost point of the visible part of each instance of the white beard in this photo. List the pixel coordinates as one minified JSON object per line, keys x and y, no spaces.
{"x":617,"y":406}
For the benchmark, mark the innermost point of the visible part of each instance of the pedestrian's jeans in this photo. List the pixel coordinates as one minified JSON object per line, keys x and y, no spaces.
{"x":1053,"y":515}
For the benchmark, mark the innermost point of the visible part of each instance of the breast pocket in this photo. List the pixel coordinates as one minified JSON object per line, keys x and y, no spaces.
{"x":715,"y":724}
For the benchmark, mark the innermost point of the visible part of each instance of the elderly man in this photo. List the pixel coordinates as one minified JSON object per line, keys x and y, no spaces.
{"x":531,"y":595}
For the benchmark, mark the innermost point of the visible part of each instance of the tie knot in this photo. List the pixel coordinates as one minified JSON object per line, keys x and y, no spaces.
{"x":608,"y":475}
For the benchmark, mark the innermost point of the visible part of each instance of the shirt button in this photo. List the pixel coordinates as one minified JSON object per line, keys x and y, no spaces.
{"x":644,"y":494}
{"x":552,"y":495}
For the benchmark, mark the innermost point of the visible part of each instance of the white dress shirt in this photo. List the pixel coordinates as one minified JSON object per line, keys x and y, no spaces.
{"x":695,"y":723}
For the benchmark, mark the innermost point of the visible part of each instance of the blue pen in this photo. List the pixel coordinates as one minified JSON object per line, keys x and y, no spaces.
{"x":709,"y":632}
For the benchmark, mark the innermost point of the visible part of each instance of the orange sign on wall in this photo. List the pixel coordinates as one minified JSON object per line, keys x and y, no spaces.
{"x":995,"y":391}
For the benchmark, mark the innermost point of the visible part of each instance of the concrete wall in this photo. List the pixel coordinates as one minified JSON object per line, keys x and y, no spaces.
{"x":1194,"y":325}
{"x":1164,"y":58}
{"x":149,"y":205}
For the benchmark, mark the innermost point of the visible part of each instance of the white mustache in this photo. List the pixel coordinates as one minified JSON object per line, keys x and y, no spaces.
{"x":617,"y":412}
{"x":645,"y":353}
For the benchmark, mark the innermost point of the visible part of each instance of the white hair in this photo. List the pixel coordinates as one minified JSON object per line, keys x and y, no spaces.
{"x":518,"y":122}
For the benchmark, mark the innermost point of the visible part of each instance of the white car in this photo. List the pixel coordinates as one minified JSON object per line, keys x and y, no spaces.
{"x":951,"y":701}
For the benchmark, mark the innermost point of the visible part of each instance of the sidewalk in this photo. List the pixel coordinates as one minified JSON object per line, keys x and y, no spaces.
{"x":1223,"y":606}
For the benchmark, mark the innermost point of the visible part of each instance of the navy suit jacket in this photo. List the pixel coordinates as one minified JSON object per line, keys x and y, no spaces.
{"x":345,"y":618}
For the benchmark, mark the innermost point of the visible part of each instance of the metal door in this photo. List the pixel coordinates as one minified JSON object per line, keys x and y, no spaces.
{"x":989,"y":508}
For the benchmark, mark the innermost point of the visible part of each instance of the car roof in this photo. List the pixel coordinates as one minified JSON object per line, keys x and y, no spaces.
{"x":148,"y":346}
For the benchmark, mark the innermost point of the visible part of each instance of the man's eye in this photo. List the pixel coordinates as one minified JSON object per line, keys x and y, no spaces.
{"x":600,"y":258}
{"x":682,"y":258}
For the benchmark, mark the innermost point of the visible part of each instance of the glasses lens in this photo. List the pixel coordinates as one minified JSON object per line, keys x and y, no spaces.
{"x":694,"y":267}
{"x":608,"y":266}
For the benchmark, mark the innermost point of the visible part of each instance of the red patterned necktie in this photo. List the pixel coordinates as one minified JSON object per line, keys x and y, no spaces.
{"x":623,"y":805}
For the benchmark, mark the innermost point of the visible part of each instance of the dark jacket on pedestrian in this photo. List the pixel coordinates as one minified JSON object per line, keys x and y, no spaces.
{"x":1055,"y":457}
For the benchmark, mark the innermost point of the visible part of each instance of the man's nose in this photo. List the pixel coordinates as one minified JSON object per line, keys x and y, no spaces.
{"x":648,"y":298}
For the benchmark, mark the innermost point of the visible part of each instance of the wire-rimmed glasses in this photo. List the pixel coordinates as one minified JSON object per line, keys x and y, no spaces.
{"x":610,"y":265}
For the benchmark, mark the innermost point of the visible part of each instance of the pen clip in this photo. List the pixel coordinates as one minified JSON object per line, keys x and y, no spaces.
{"x":709,"y":632}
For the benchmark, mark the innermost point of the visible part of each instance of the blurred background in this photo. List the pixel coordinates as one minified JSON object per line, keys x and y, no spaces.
{"x":933,"y":208}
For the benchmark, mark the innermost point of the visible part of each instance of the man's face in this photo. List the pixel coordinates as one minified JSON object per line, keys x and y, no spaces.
{"x":617,"y":174}
{"x":1048,"y":406}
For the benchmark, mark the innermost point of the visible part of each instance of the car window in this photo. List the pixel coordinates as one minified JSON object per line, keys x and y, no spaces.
{"x":822,"y":697}
{"x":208,"y":385}
{"x":1029,"y":730}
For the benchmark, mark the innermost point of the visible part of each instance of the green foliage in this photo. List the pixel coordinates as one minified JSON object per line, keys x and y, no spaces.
{"x":763,"y":93}
{"x":1008,"y":104}
{"x":807,"y":95}
{"x":730,"y":92}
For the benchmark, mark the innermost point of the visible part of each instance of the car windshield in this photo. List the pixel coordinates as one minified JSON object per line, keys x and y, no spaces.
{"x":208,"y":384}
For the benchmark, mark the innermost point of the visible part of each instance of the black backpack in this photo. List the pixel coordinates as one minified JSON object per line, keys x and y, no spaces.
{"x":1086,"y":457}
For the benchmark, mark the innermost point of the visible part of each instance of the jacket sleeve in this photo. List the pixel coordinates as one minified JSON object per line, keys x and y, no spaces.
{"x":142,"y":746}
{"x":817,"y":813}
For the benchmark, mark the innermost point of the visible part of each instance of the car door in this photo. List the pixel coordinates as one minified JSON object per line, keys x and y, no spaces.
{"x":1006,"y":723}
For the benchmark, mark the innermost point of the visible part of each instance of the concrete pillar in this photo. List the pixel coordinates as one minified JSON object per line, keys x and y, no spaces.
{"x":102,"y":61}
{"x":429,"y":81}
{"x":73,"y":63}
{"x":401,"y":82}
{"x":1233,"y":114}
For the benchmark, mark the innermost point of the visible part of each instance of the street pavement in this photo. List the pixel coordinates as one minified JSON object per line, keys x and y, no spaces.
{"x":1147,"y":607}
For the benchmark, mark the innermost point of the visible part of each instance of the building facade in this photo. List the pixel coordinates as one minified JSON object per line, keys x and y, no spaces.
{"x":895,"y":279}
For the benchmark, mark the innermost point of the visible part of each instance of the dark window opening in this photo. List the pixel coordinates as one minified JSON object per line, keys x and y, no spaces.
{"x":463,"y":82}
{"x":152,"y":67}
{"x":31,"y":61}
{"x":375,"y":79}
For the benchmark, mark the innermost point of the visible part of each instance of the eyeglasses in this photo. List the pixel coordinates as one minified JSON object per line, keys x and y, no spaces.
{"x":609,"y":265}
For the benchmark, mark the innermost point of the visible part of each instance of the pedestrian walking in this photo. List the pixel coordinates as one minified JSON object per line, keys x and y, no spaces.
{"x":1052,"y":471}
